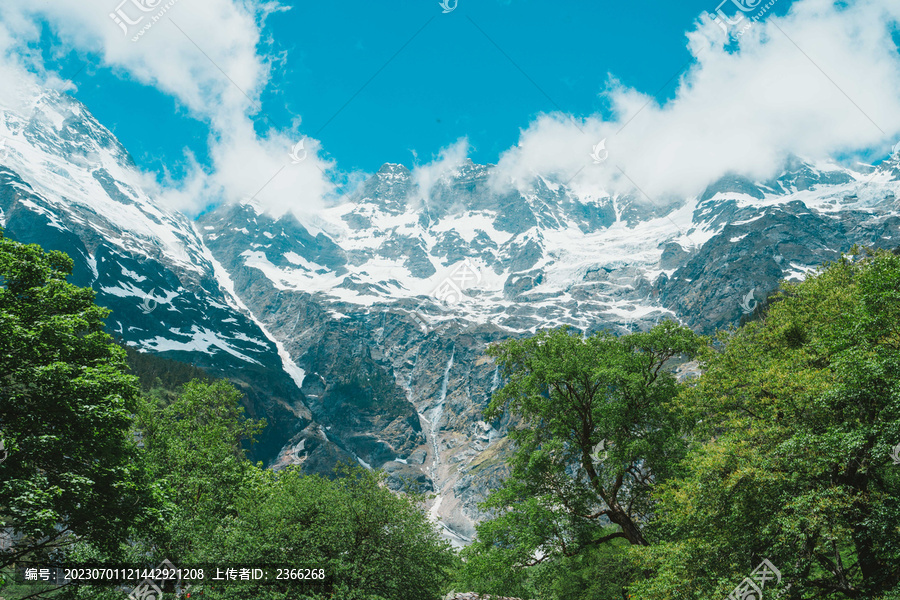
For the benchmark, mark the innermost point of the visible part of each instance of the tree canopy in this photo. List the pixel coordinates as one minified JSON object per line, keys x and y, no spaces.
{"x":65,"y":409}
{"x":97,"y":473}
{"x":795,"y":417}
{"x":623,"y":480}
{"x":595,"y":435}
{"x":222,"y":509}
{"x":780,"y":451}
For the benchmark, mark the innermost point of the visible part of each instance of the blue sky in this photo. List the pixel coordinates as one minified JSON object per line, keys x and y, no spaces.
{"x":212,"y":98}
{"x":449,"y":81}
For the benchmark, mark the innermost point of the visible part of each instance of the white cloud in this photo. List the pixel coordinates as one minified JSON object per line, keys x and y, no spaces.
{"x":735,"y":110}
{"x":741,"y":110}
{"x":449,"y":160}
{"x":204,"y":53}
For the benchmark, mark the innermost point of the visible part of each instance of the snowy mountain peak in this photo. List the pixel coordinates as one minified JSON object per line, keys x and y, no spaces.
{"x":78,"y":171}
{"x":393,"y":170}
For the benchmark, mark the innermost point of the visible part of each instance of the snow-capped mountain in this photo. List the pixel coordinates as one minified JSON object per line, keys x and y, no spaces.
{"x":360,"y":334}
{"x":550,"y":256}
{"x":67,"y":184}
{"x":370,"y":298}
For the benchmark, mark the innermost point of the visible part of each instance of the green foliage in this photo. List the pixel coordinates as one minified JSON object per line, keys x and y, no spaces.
{"x":65,"y":411}
{"x":369,"y":541}
{"x":195,"y":455}
{"x":222,"y":509}
{"x":622,"y":480}
{"x":161,"y":376}
{"x":77,"y":486}
{"x":597,"y":573}
{"x":796,"y":416}
{"x":780,"y":450}
{"x":597,"y":434}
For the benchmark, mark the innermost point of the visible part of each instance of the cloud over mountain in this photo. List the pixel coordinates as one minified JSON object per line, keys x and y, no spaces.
{"x":211,"y":57}
{"x":823,"y":81}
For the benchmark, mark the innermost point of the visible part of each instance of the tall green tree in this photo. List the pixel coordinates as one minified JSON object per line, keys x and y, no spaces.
{"x":65,"y":412}
{"x":195,"y":454}
{"x":796,"y":418}
{"x":596,"y":435}
{"x":369,"y":542}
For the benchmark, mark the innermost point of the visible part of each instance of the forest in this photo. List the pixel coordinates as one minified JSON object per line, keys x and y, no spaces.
{"x":771,"y":469}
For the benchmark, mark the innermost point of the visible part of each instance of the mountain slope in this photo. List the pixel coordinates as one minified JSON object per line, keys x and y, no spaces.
{"x":359,"y":334}
{"x":67,"y":184}
{"x":358,"y":296}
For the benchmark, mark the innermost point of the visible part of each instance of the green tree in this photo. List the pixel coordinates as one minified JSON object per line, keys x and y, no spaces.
{"x":196,"y":457}
{"x":369,"y":542}
{"x":596,"y":435}
{"x":65,"y":413}
{"x":219,"y":508}
{"x":796,"y":417}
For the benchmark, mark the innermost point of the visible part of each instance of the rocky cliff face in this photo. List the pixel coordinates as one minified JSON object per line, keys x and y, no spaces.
{"x":780,"y":230}
{"x":360,"y":334}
